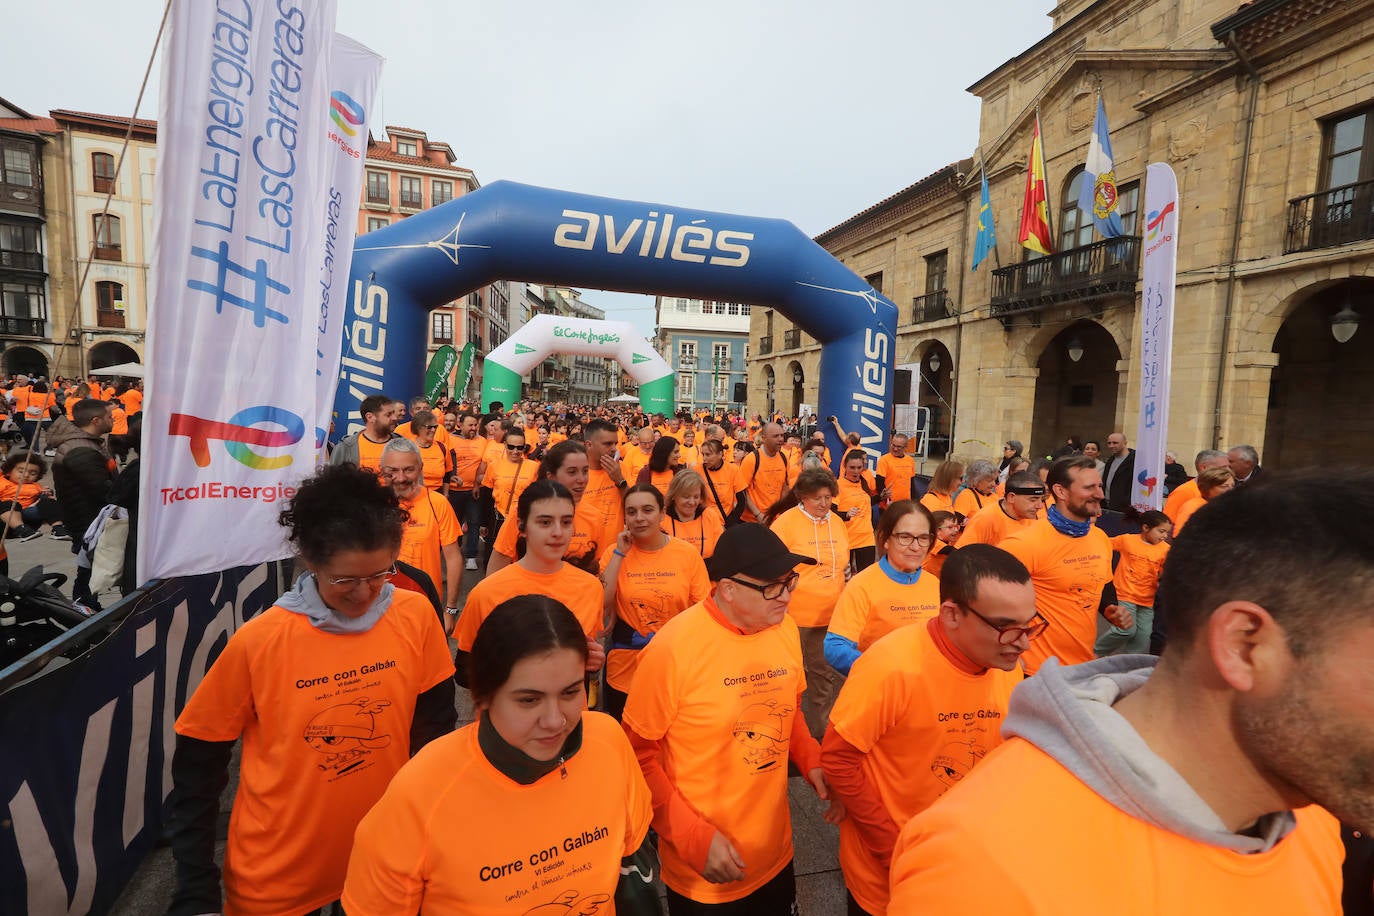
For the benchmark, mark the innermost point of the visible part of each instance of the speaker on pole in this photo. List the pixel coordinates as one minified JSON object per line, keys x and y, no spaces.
{"x":901,"y":387}
{"x":741,"y":392}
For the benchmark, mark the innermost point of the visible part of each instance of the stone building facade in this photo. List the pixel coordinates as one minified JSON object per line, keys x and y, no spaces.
{"x":1266,"y":114}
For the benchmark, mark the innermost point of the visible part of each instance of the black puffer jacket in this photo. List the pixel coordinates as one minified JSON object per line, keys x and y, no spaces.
{"x":81,"y":475}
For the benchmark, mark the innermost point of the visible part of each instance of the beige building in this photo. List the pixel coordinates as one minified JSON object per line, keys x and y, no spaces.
{"x":1266,"y":114}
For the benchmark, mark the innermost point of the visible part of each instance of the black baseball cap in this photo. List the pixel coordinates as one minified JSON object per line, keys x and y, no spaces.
{"x":752,"y":550}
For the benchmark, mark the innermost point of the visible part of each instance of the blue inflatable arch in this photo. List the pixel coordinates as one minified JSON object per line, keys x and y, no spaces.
{"x":514,"y":231}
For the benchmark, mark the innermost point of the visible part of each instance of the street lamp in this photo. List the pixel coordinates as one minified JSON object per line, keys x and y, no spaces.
{"x":934,"y":362}
{"x":1075,"y":348}
{"x":1345,"y":323}
{"x":797,"y":376}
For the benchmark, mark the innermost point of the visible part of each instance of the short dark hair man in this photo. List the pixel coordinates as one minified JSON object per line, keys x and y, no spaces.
{"x":81,"y":478}
{"x":1208,"y":769}
{"x":364,"y":448}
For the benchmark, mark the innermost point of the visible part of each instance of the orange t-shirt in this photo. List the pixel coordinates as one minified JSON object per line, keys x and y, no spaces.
{"x":1068,"y":574}
{"x":852,"y":495}
{"x":493,"y":452}
{"x":132,"y":400}
{"x":467,"y":458}
{"x":820,"y":584}
{"x":897,"y":474}
{"x":550,"y":847}
{"x":922,"y":725}
{"x":633,"y":461}
{"x":441,"y":435}
{"x":651,"y":588}
{"x":583,"y":547}
{"x":119,"y":425}
{"x":370,"y":453}
{"x":1137,"y":572}
{"x":604,"y":500}
{"x":721,"y":705}
{"x":701,"y":532}
{"x":764,"y":479}
{"x":325,"y":721}
{"x":991,"y":526}
{"x":726,"y":483}
{"x":1186,"y":511}
{"x":431,"y":525}
{"x":27,"y":493}
{"x":508,"y":480}
{"x":689,"y":455}
{"x":1024,"y":837}
{"x":27,"y":404}
{"x":661,"y":480}
{"x":1179,"y":497}
{"x":970,"y":502}
{"x":872,"y":605}
{"x":579,"y":591}
{"x":435,"y":463}
{"x":935,"y":558}
{"x":937,"y":502}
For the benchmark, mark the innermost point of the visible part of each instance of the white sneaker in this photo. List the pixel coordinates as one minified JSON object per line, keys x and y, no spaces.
{"x":471,"y":563}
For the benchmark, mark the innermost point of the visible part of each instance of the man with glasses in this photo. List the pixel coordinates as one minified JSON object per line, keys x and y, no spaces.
{"x":714,"y":715}
{"x":922,"y":707}
{"x":1201,"y":782}
{"x":1070,"y":562}
{"x":429,"y":538}
{"x":1025,"y":496}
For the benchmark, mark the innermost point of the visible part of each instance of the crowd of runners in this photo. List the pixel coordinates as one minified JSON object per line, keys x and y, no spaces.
{"x":1003,"y":708}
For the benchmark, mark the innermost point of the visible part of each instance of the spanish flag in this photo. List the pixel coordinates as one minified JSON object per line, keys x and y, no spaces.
{"x":1035,"y":209}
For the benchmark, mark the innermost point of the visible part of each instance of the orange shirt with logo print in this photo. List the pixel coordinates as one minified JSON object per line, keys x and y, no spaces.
{"x":325,"y":721}
{"x":553,"y":846}
{"x":922,"y":724}
{"x":1069,"y":574}
{"x":651,"y":588}
{"x":467,"y":458}
{"x":897,"y":474}
{"x":721,"y":706}
{"x":764,"y":479}
{"x":508,"y":480}
{"x":583,"y":547}
{"x":606,"y":501}
{"x":431,"y":525}
{"x":991,"y":525}
{"x":370,"y":453}
{"x":854,"y":496}
{"x":813,"y":600}
{"x":1023,"y":836}
{"x":1137,"y":572}
{"x":872,"y":605}
{"x":579,"y":591}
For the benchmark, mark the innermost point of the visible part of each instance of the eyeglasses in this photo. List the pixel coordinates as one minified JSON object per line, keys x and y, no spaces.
{"x":771,"y":591}
{"x":906,"y":539}
{"x":1008,"y":635}
{"x":517,"y":448}
{"x":354,"y":581}
{"x":430,"y":426}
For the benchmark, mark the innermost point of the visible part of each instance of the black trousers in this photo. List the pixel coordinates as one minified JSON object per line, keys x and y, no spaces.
{"x":776,"y":898}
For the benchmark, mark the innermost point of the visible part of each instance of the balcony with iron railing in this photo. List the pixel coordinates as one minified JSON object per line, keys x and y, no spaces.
{"x":379,"y":197}
{"x":1331,"y":218}
{"x":1084,"y":274}
{"x":687,"y":363}
{"x":22,"y":327}
{"x":791,"y":340}
{"x":765,"y":345}
{"x":412,"y":200}
{"x":21,"y":260}
{"x":931,"y":307}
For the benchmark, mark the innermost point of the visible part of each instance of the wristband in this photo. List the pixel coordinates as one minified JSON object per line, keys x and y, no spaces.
{"x":622,"y":485}
{"x":618,"y":552}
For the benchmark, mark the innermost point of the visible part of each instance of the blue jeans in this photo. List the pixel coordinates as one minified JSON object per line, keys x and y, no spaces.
{"x":1134,"y":641}
{"x":469,"y":511}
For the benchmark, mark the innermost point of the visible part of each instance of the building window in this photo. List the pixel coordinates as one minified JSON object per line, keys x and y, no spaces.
{"x":20,"y":246}
{"x":687,"y":354}
{"x":377,"y":222}
{"x":722,"y":388}
{"x":1348,"y":146}
{"x":407,"y":148}
{"x":687,"y":386}
{"x":18,"y":167}
{"x":22,"y":309}
{"x":1075,"y":230}
{"x":441,"y":324}
{"x":744,"y":309}
{"x":378,"y":191}
{"x":720,"y":357}
{"x":109,"y":305}
{"x":412,"y":195}
{"x":441,"y":192}
{"x":937,"y":272}
{"x":875,"y":281}
{"x":1128,"y":206}
{"x":108,"y":246}
{"x":681,"y":305}
{"x":102,"y":172}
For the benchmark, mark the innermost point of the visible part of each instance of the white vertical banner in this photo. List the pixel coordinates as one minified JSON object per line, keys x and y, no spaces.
{"x":354,"y":73}
{"x":243,"y":179}
{"x":1156,"y":338}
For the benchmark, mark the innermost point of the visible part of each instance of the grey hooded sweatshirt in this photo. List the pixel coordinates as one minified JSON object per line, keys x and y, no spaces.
{"x":1067,"y":713}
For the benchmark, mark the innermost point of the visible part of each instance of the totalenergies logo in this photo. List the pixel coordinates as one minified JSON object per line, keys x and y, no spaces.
{"x":240,"y":434}
{"x":1154,"y":223}
{"x":347,"y":113}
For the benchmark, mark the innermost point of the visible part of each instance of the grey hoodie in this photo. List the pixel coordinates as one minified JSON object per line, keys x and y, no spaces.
{"x":1067,"y":713}
{"x":304,"y":599}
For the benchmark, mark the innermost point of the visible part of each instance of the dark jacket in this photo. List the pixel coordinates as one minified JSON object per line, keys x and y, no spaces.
{"x":1119,"y":496}
{"x":81,"y":475}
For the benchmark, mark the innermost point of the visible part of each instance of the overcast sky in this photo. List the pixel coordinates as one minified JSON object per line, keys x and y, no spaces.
{"x":802,"y":110}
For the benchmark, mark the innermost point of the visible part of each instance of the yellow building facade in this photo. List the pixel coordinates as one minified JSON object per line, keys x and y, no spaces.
{"x":1266,"y":115}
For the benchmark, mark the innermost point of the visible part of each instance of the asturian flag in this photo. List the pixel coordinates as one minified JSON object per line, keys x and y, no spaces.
{"x":1097,"y":196}
{"x":987,"y":232}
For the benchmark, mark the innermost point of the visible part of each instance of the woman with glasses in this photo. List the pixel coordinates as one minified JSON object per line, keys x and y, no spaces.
{"x":894,"y":592}
{"x":922,"y":707}
{"x":436,"y":461}
{"x":648,"y":578}
{"x":508,"y":477}
{"x":331,"y":690}
{"x":531,"y":809}
{"x":804,"y":522}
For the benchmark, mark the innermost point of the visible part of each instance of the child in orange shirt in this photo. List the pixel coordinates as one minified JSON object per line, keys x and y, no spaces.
{"x":948,"y":526}
{"x":26,"y":504}
{"x":1136,"y":578}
